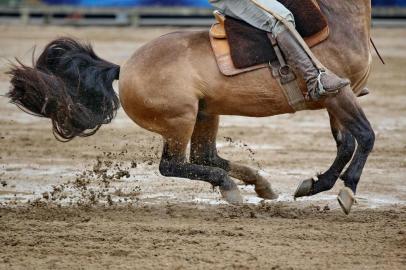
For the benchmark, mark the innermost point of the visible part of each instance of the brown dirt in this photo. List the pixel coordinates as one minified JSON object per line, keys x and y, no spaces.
{"x":100,"y":202}
{"x":275,"y":236}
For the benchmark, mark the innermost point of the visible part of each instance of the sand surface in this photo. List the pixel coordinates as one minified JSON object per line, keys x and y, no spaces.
{"x":100,"y":203}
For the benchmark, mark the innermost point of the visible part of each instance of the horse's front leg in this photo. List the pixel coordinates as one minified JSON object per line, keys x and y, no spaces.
{"x":345,"y":150}
{"x":348,"y":113}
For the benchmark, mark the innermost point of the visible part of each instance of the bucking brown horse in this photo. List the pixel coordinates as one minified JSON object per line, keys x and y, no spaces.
{"x":172,"y":86}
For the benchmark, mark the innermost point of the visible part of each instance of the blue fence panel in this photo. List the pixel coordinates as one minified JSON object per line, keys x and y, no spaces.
{"x":126,"y":3}
{"x":389,"y":3}
{"x":192,"y":3}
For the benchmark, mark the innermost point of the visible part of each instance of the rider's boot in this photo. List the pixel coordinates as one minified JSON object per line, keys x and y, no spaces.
{"x":319,"y":83}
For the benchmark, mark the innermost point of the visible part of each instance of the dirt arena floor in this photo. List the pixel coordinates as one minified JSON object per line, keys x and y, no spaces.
{"x":100,"y":203}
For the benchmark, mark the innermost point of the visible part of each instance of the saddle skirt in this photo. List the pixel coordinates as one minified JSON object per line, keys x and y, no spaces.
{"x":239,"y":47}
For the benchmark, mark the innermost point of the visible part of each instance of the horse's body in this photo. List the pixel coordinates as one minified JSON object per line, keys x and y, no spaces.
{"x":172,"y":86}
{"x":181,"y":64}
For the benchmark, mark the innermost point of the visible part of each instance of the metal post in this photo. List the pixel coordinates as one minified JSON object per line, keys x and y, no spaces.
{"x":48,"y":17}
{"x":135,"y":18}
{"x":25,"y":15}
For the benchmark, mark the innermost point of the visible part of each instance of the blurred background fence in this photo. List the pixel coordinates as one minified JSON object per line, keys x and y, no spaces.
{"x":145,"y":12}
{"x":131,"y":3}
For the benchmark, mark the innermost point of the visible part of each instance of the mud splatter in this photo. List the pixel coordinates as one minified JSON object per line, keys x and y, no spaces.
{"x":245,"y":147}
{"x":93,"y":186}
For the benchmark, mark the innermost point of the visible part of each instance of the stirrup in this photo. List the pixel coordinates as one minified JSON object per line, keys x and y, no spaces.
{"x":320,"y":88}
{"x":320,"y":91}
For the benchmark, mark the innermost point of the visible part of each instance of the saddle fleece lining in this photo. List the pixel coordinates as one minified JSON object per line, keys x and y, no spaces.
{"x":250,"y":46}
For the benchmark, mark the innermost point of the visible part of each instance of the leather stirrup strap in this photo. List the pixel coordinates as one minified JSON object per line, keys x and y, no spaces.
{"x":285,"y":72}
{"x":277,"y":50}
{"x":296,"y":35}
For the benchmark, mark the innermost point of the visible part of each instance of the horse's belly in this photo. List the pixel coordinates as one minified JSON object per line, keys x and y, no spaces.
{"x":251,"y":94}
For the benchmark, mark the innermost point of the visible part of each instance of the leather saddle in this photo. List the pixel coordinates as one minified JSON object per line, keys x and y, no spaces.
{"x":240,"y":47}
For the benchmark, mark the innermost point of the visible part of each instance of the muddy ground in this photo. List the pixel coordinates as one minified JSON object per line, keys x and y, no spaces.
{"x":99,"y":202}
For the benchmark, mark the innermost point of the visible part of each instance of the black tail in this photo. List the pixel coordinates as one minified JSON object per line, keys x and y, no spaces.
{"x":70,"y":85}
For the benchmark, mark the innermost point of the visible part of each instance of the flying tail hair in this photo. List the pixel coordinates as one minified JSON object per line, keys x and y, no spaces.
{"x":69,"y":84}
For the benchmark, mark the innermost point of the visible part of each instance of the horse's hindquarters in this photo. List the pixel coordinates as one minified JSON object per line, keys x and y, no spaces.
{"x":156,"y":85}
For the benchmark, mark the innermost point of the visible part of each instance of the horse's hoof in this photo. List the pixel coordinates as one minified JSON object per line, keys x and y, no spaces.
{"x":230,"y":192}
{"x":264,"y":190}
{"x":346,"y":199}
{"x":304,"y":188}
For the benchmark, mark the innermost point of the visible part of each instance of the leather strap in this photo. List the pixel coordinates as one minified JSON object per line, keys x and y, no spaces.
{"x":295,"y":34}
{"x":284,"y":71}
{"x":291,"y":90}
{"x":275,"y":46}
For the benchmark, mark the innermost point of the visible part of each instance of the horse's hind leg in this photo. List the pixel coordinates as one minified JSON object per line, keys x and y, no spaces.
{"x":173,"y":162}
{"x":204,"y":152}
{"x":345,"y":150}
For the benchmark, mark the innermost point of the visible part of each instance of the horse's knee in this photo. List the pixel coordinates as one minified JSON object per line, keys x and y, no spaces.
{"x":346,"y":145}
{"x":366,"y":140}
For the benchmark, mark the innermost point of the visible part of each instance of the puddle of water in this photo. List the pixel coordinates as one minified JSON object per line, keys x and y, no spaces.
{"x":209,"y":201}
{"x":364,"y":201}
{"x":24,"y":190}
{"x":326,"y":199}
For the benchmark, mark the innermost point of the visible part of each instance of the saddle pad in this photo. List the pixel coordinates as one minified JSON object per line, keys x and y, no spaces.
{"x":250,"y":47}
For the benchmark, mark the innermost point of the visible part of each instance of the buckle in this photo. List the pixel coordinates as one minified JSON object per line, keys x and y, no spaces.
{"x":286,"y":74}
{"x":284,"y":70}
